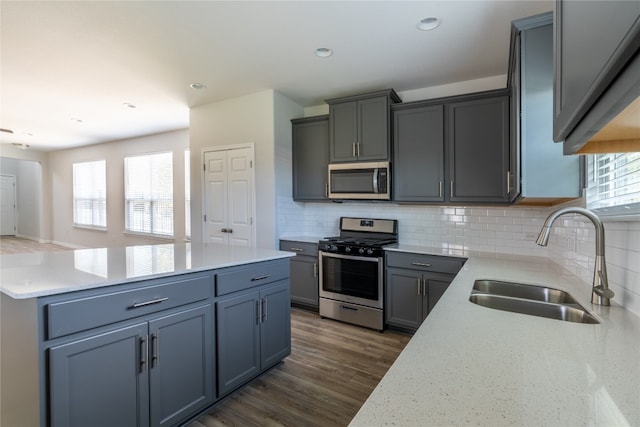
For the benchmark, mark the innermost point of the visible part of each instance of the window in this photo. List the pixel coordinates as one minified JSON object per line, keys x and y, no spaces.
{"x":148,"y":188}
{"x":614,"y":183}
{"x":187,"y":194}
{"x":90,"y":194}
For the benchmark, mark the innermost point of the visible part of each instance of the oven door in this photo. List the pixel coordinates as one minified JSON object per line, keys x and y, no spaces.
{"x":354,"y":279}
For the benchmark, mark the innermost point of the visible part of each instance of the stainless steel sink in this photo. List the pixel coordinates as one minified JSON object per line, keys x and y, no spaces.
{"x":530,"y":299}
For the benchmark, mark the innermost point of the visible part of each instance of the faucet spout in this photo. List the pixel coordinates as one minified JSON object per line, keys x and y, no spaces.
{"x":601,"y":294}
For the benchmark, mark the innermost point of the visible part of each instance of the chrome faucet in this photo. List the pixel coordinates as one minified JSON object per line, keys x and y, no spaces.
{"x":601,"y":293}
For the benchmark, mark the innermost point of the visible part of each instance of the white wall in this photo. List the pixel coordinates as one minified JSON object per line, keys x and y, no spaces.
{"x":40,"y":221}
{"x":237,"y":121}
{"x":61,"y":165}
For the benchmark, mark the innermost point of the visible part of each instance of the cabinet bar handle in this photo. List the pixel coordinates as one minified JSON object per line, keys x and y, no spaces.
{"x":353,"y":149}
{"x":508,"y":182}
{"x":264,"y":276}
{"x":424,"y":287}
{"x":421,"y":264}
{"x":144,"y":352}
{"x":326,"y":189}
{"x":440,"y":191}
{"x":358,"y":149}
{"x":297,"y":249}
{"x":153,"y":301}
{"x":419,"y":285}
{"x":258,"y":312}
{"x":264,"y":309}
{"x":451,"y":188}
{"x":155,"y":355}
{"x":315,"y":269}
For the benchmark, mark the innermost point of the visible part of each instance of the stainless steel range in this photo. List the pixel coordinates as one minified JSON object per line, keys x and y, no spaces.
{"x":352,"y":271}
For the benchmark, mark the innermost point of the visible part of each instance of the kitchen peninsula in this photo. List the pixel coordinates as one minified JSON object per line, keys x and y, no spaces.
{"x":85,"y":331}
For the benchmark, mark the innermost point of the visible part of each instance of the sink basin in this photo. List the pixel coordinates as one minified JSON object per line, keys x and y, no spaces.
{"x":519,"y":290}
{"x":529,"y":299}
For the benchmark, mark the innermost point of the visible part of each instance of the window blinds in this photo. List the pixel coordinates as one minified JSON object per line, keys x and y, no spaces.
{"x":614,"y":180}
{"x":90,"y":194}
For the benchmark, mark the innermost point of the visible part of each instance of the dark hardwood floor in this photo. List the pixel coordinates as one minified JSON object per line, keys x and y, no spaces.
{"x":332,"y":369}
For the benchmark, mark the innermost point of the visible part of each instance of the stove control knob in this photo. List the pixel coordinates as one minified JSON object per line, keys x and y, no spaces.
{"x":333,"y":248}
{"x":369,"y":251}
{"x":347,"y":249}
{"x":361,"y":251}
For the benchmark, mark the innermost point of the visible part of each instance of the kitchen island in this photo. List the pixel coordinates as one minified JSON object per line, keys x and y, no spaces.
{"x":473,"y":365}
{"x":83,"y":332}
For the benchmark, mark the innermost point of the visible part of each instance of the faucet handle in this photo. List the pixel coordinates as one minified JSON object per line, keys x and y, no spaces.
{"x":604,"y":293}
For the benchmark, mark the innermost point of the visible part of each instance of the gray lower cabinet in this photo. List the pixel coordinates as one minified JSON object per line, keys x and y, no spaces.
{"x":418,"y":153}
{"x":253,"y":318}
{"x":310,"y":150}
{"x":478,"y":144}
{"x":155,"y":373}
{"x":304,"y":273}
{"x":359,"y":127}
{"x":254,"y":333}
{"x":414,"y":284}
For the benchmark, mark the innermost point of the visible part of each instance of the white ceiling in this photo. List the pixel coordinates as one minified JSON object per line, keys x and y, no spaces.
{"x":66,"y":60}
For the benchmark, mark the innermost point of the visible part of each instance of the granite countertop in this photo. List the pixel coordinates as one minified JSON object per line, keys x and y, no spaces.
{"x":472,"y":365}
{"x":39,"y":274}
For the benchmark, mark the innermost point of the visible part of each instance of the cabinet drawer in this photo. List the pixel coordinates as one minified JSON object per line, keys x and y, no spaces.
{"x":236,"y":279}
{"x":300,"y":248}
{"x":91,"y":310}
{"x":435,"y":263}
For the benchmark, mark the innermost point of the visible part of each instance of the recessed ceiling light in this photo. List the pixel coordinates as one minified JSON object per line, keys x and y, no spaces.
{"x":128,"y":104}
{"x":6,"y":130}
{"x":197,"y":86}
{"x":323,"y":52}
{"x":76,"y":120}
{"x":21,"y":146}
{"x":427,"y":24}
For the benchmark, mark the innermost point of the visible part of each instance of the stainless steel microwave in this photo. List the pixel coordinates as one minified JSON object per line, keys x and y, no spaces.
{"x":365,"y":181}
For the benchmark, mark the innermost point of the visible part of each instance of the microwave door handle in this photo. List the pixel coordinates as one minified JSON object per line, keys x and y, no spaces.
{"x":375,"y":180}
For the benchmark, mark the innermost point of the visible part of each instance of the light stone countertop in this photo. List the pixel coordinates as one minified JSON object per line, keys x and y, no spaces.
{"x":39,"y":274}
{"x":472,"y":365}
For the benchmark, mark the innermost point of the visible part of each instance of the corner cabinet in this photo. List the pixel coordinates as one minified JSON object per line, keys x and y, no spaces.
{"x":135,"y":366}
{"x":304,"y":273}
{"x":414,"y":284}
{"x":360,"y":128}
{"x":544,"y":175}
{"x":253,"y":320}
{"x":310,"y":139}
{"x":597,"y":66}
{"x":478,"y":144}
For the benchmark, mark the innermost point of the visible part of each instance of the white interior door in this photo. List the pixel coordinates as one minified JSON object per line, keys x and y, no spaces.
{"x":229,"y":196}
{"x":7,"y":205}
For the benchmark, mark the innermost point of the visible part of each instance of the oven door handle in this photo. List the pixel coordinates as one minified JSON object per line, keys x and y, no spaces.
{"x":351,"y":257}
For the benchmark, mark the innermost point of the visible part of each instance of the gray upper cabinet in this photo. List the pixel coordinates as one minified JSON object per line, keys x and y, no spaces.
{"x":478,"y":144}
{"x":597,"y":69}
{"x":310,"y":138}
{"x":418,"y":153}
{"x":542,"y":175}
{"x":360,"y":128}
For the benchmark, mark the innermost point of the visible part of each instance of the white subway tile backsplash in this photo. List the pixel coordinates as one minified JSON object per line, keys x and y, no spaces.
{"x":501,"y":231}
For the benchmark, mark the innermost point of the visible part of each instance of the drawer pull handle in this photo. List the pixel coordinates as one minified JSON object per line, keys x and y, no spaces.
{"x":153,"y":301}
{"x":297,"y":249}
{"x":345,"y":307}
{"x":265,"y":276}
{"x":421,"y":264}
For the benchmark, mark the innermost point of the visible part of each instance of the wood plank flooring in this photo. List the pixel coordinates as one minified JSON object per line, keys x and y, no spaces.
{"x":332,"y":369}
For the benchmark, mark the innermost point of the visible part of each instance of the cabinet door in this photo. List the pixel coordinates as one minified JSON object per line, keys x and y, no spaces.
{"x":343,"y":131}
{"x":373,"y":129}
{"x":310,"y":159}
{"x":418,"y":161}
{"x":182,"y":365}
{"x":435,"y":290}
{"x":101,"y":381}
{"x":304,"y":280}
{"x":403,"y":306}
{"x":604,"y":32}
{"x":238,"y":339}
{"x":275,"y":326}
{"x":479,"y":150}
